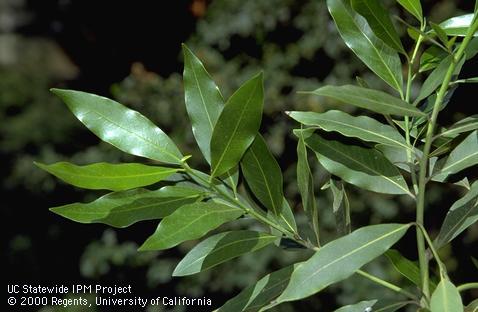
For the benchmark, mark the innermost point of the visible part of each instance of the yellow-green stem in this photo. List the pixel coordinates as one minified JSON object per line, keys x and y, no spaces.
{"x":422,"y":181}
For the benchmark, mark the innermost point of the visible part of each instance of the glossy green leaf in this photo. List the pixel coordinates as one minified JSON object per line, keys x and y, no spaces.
{"x":189,"y":222}
{"x":446,"y":298}
{"x":407,"y":268}
{"x":305,"y":183}
{"x":463,"y":156}
{"x":380,"y":58}
{"x":362,"y":127}
{"x":458,"y":25}
{"x":104,"y":176}
{"x":237,"y":126}
{"x":341,"y":258}
{"x":285,"y":217}
{"x":431,"y":58}
{"x":221,"y":248}
{"x":263,"y":175}
{"x":472,"y":307}
{"x":434,"y":80}
{"x":364,"y":167}
{"x":465,"y":125}
{"x":379,"y":21}
{"x":204,"y":101}
{"x":374,"y":100}
{"x":121,"y":209}
{"x":440,"y":33}
{"x":358,"y":307}
{"x":341,"y":207}
{"x":413,"y":7}
{"x":462,"y":214}
{"x":122,"y":127}
{"x":256,"y":296}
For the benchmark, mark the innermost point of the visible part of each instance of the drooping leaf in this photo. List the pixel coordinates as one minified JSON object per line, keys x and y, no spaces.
{"x":220,"y":248}
{"x":121,"y":209}
{"x":237,"y":126}
{"x":462,"y":214}
{"x":413,"y":7}
{"x":467,"y":124}
{"x":379,"y":21}
{"x":122,"y":127}
{"x":374,"y":100}
{"x":364,"y":167}
{"x":358,"y":36}
{"x":463,"y":156}
{"x":305,"y":183}
{"x":263,"y":175}
{"x":341,"y":207}
{"x":358,"y":307}
{"x":256,"y":296}
{"x":446,"y":298}
{"x":204,"y":101}
{"x":341,"y":258}
{"x":105,"y":176}
{"x":458,"y":25}
{"x":407,"y":268}
{"x":189,"y":222}
{"x":362,"y":127}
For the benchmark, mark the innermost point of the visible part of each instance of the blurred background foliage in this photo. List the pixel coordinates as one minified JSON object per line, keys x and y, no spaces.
{"x":131,"y":52}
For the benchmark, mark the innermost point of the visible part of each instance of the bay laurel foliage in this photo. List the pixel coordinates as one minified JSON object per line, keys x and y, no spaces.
{"x":397,"y":149}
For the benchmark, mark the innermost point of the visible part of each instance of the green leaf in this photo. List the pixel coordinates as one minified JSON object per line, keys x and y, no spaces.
{"x":431,"y":58}
{"x":473,"y":306}
{"x":458,"y":25}
{"x":413,"y":7}
{"x":380,"y":22}
{"x":362,"y":127}
{"x":263,"y":175}
{"x":341,"y":207}
{"x":256,"y":296}
{"x":221,"y":248}
{"x":204,"y":101}
{"x":190,"y":222}
{"x":440,"y":32}
{"x":392,"y":307}
{"x":462,"y":214}
{"x":121,"y":209}
{"x":122,"y":127}
{"x":446,"y":298}
{"x":237,"y":126}
{"x":358,"y":307}
{"x":406,"y":267}
{"x":104,"y":176}
{"x":285,"y":217}
{"x":374,"y":100}
{"x":463,"y":156}
{"x":305,"y":183}
{"x":435,"y":79}
{"x":464,"y":125}
{"x":363,"y":167}
{"x":341,"y":258}
{"x":381,"y":59}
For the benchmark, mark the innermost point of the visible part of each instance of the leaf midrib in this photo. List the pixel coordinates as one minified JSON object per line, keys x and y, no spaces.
{"x":215,"y":250}
{"x":235,"y":130}
{"x":362,"y":129}
{"x":460,"y":221}
{"x":397,"y":85}
{"x":456,"y":163}
{"x":275,"y":209}
{"x":390,"y":35}
{"x":134,"y":133}
{"x":192,"y":221}
{"x":111,"y":177}
{"x":351,"y":253}
{"x":366,"y":167}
